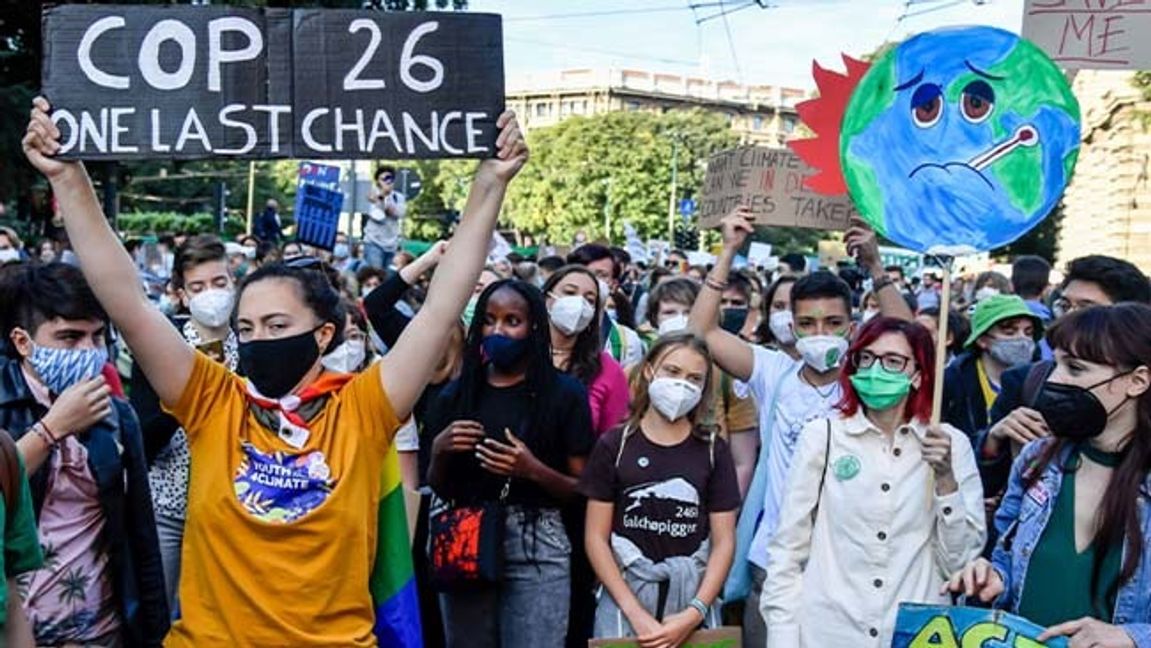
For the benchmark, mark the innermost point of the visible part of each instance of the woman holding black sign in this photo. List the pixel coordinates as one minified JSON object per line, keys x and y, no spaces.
{"x":281,"y":523}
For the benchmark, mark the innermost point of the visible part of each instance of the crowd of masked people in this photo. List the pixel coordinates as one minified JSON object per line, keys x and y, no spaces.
{"x":592,"y":447}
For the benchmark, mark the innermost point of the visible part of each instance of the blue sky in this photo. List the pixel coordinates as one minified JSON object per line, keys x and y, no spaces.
{"x":774,"y":45}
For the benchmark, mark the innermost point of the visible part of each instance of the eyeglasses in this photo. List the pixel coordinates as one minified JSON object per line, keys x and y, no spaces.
{"x":1064,"y":306}
{"x":890,"y":361}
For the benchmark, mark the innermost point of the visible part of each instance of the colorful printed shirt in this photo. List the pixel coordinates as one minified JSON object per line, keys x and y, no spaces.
{"x":70,"y":599}
{"x":280,"y":542}
{"x":168,"y":476}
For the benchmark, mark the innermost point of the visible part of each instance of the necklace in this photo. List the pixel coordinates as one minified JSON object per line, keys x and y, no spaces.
{"x":822,"y":394}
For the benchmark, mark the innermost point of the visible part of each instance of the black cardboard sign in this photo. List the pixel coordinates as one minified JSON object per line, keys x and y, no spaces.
{"x":146,"y":82}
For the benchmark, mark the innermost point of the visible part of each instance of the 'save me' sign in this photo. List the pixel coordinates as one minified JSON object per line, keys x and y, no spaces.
{"x":131,"y":82}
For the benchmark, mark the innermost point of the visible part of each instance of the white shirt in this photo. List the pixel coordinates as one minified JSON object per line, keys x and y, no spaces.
{"x":797,"y":404}
{"x":881,"y":535}
{"x":632,"y":348}
{"x":383,"y":229}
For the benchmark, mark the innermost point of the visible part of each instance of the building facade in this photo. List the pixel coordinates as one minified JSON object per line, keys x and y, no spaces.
{"x":1107,"y":207}
{"x":760,"y":114}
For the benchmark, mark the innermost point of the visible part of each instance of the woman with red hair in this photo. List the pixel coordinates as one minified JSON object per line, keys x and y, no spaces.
{"x":881,"y":506}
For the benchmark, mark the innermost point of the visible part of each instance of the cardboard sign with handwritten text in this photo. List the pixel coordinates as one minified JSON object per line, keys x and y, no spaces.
{"x":940,"y":626}
{"x":770,"y":182}
{"x":1091,"y":34}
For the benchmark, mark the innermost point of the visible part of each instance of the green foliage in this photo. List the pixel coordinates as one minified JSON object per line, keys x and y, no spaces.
{"x":189,"y":187}
{"x":1142,"y":81}
{"x":615,"y":164}
{"x":149,"y":223}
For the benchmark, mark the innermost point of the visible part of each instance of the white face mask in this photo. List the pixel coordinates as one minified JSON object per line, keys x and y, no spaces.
{"x":346,"y":358}
{"x":571,"y":314}
{"x":673,"y":324}
{"x":673,"y":398}
{"x":212,"y":307}
{"x":985,"y":292}
{"x":822,"y":352}
{"x":780,"y":324}
{"x":868,"y":315}
{"x":604,"y":291}
{"x":8,"y":255}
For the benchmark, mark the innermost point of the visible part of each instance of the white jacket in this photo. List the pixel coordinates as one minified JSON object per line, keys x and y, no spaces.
{"x":880,"y":537}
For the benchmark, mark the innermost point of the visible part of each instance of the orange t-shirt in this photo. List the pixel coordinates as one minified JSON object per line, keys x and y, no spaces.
{"x":279,"y":542}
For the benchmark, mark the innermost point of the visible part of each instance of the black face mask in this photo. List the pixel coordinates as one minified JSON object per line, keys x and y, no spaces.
{"x":733,"y":319}
{"x":503,"y":352}
{"x":276,"y":366}
{"x":1073,"y":412}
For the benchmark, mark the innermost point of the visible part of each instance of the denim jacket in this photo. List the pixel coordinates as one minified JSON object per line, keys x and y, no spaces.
{"x":1023,"y":516}
{"x":116,"y":459}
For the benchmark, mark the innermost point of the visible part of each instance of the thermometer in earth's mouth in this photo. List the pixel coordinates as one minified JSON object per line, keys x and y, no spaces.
{"x":1025,"y":135}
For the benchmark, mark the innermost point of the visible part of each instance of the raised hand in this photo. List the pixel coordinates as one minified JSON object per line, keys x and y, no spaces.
{"x":736,"y":227}
{"x":863,"y":244}
{"x":42,"y":141}
{"x":512,"y":150}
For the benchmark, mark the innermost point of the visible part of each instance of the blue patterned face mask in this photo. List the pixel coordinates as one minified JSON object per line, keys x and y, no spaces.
{"x":62,"y":368}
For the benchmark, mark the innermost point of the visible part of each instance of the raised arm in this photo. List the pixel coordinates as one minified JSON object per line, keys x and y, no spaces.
{"x":862,"y":243}
{"x":380,"y":304}
{"x":731,"y":353}
{"x":406,"y":369}
{"x":159,"y":349}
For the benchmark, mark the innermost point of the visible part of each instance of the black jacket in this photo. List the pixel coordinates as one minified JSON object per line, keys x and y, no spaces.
{"x":116,"y":459}
{"x":963,"y":405}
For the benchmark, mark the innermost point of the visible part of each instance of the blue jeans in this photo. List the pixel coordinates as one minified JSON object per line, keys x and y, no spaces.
{"x":529,"y":609}
{"x":377,"y":257}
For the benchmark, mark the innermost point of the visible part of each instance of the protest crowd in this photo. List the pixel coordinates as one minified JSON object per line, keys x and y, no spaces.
{"x":235,"y":442}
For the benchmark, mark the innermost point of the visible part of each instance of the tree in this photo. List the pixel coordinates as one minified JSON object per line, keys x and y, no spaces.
{"x":596,"y":173}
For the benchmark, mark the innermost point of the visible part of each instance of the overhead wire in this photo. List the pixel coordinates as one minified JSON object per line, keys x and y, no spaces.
{"x":616,"y":12}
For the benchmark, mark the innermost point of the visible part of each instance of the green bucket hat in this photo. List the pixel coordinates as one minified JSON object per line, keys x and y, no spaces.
{"x":997,"y":308}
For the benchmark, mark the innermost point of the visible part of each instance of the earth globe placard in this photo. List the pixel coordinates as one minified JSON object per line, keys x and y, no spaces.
{"x":959,"y":140}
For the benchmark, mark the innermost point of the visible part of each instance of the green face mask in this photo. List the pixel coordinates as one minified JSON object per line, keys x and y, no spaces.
{"x":880,"y":389}
{"x":470,"y":310}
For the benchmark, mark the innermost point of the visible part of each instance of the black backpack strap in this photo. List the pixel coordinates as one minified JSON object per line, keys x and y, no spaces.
{"x":823,"y":475}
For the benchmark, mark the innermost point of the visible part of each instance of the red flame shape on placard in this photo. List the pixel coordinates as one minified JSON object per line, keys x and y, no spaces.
{"x":824,"y":116}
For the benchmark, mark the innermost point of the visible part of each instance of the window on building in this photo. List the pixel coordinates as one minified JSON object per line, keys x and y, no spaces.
{"x":789,"y":125}
{"x":543,"y":109}
{"x":632,"y":106}
{"x":757,"y":123}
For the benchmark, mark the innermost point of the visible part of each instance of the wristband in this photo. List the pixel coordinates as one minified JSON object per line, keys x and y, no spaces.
{"x":45,"y":434}
{"x":700,"y":607}
{"x":881,"y":283}
{"x":713,"y":284}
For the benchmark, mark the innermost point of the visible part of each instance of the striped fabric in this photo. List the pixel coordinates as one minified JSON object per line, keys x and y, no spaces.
{"x":393,"y":582}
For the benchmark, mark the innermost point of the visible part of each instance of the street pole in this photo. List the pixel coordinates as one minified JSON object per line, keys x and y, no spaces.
{"x":251,"y":192}
{"x":355,"y":191}
{"x":607,"y":211}
{"x":671,"y":198}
